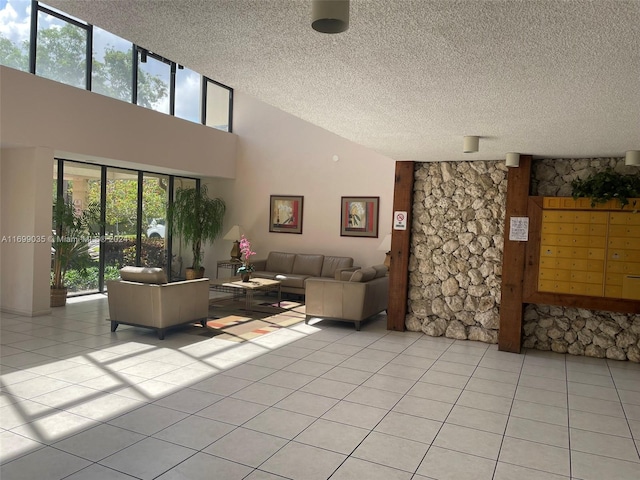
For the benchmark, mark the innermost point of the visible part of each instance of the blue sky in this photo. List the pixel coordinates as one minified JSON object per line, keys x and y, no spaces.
{"x":14,"y":19}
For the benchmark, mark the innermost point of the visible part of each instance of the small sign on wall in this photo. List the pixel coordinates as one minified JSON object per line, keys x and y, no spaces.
{"x":519,"y":229}
{"x":399,"y":220}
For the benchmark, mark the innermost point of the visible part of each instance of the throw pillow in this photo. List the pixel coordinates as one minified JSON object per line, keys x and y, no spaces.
{"x":381,"y":270}
{"x":363,"y":275}
{"x":143,"y":275}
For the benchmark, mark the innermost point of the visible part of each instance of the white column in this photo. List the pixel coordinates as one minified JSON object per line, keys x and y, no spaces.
{"x":26,"y":180}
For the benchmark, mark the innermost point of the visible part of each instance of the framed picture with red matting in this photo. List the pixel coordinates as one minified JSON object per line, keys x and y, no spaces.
{"x":359,"y":216}
{"x":286,"y":214}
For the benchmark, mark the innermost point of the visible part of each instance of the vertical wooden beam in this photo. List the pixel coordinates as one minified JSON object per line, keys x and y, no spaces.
{"x":514,"y":256}
{"x":532,"y":254}
{"x":400,"y":247}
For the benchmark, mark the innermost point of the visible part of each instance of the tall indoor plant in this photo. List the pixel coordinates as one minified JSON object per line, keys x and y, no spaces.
{"x":73,"y":230}
{"x":198,"y":220}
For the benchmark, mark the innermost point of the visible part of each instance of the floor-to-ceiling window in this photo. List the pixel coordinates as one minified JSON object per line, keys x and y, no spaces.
{"x":81,"y":185}
{"x":121,"y":218}
{"x":133,"y":206}
{"x":181,"y":256}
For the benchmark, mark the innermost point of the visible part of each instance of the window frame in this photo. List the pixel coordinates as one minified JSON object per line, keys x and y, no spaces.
{"x":61,"y":162}
{"x":37,"y":7}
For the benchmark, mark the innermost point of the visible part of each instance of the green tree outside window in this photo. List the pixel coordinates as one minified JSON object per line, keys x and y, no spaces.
{"x":61,"y":56}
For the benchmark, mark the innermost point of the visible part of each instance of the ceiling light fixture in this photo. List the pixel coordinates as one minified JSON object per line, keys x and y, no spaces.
{"x":330,"y":16}
{"x":470,"y":144}
{"x":632,"y":158}
{"x":513,"y":159}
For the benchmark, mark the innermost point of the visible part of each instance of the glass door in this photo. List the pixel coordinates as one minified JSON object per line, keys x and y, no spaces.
{"x":81,"y":186}
{"x":121,"y":217}
{"x":155,"y":196}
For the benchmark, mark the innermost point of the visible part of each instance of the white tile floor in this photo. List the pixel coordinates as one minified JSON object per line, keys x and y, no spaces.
{"x":306,"y":402}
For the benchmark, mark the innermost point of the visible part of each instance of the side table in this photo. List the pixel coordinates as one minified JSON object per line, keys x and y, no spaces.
{"x":230,"y":265}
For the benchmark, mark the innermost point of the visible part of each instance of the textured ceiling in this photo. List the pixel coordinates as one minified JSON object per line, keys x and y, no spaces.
{"x":411,"y":77}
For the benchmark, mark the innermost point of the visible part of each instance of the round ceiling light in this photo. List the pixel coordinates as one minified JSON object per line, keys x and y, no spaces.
{"x":330,"y":16}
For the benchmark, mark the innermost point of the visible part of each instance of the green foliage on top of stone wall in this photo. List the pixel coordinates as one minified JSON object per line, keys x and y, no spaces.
{"x":607,"y":185}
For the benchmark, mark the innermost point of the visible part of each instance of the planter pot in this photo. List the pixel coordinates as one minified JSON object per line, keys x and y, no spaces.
{"x":191,"y":274}
{"x":246,"y":277}
{"x":58,"y":297}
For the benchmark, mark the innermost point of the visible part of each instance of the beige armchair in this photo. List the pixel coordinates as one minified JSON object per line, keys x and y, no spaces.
{"x":356,"y":297}
{"x":143,"y":298}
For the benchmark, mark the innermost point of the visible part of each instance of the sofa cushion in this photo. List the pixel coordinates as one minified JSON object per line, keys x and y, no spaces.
{"x":345,"y":275}
{"x":308,"y":264}
{"x":331,"y":264}
{"x":268,"y":275}
{"x":143,"y":275}
{"x":291,"y":280}
{"x":363,"y":275}
{"x":381,"y":270}
{"x":280,"y":262}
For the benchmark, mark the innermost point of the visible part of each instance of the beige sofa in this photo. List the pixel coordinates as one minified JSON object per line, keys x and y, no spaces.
{"x":143,"y":298}
{"x":293,"y":270}
{"x":355,"y":297}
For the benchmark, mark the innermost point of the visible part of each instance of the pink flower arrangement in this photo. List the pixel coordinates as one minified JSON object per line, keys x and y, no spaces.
{"x":245,"y":250}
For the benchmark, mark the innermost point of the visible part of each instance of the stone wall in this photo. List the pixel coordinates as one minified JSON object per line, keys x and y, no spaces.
{"x":582,"y":332}
{"x":456,"y":249}
{"x":573,"y":330}
{"x":456,"y":260}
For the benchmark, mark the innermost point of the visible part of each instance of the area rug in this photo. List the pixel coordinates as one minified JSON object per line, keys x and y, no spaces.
{"x":228,"y":320}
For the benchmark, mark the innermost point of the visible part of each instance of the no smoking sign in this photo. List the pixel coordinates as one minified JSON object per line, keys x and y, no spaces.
{"x":399,"y":220}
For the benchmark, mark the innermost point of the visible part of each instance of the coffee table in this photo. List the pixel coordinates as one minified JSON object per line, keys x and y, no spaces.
{"x":237,"y":287}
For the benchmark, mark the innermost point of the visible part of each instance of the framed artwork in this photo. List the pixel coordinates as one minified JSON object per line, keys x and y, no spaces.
{"x":359,"y":216}
{"x":285,"y":214}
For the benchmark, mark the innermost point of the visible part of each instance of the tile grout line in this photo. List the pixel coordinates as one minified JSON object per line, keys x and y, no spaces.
{"x":504,"y":433}
{"x":377,"y":372}
{"x":336,"y":341}
{"x":566,"y":373}
{"x":624,"y":410}
{"x":444,"y":421}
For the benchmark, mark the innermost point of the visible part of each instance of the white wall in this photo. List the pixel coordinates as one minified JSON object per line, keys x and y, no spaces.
{"x":279,"y":154}
{"x":76,"y":124}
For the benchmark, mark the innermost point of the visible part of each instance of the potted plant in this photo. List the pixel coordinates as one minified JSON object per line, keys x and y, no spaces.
{"x":73,"y":230}
{"x":607,"y":185}
{"x":247,"y":267}
{"x":197,"y":219}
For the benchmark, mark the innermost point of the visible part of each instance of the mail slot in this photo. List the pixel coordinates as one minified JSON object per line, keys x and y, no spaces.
{"x":631,"y":287}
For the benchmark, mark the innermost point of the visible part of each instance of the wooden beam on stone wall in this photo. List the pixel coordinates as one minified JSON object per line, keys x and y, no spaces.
{"x":514,"y":257}
{"x":400,"y":247}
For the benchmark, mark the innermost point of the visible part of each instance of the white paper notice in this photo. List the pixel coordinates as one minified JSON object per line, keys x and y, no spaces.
{"x":519,"y":229}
